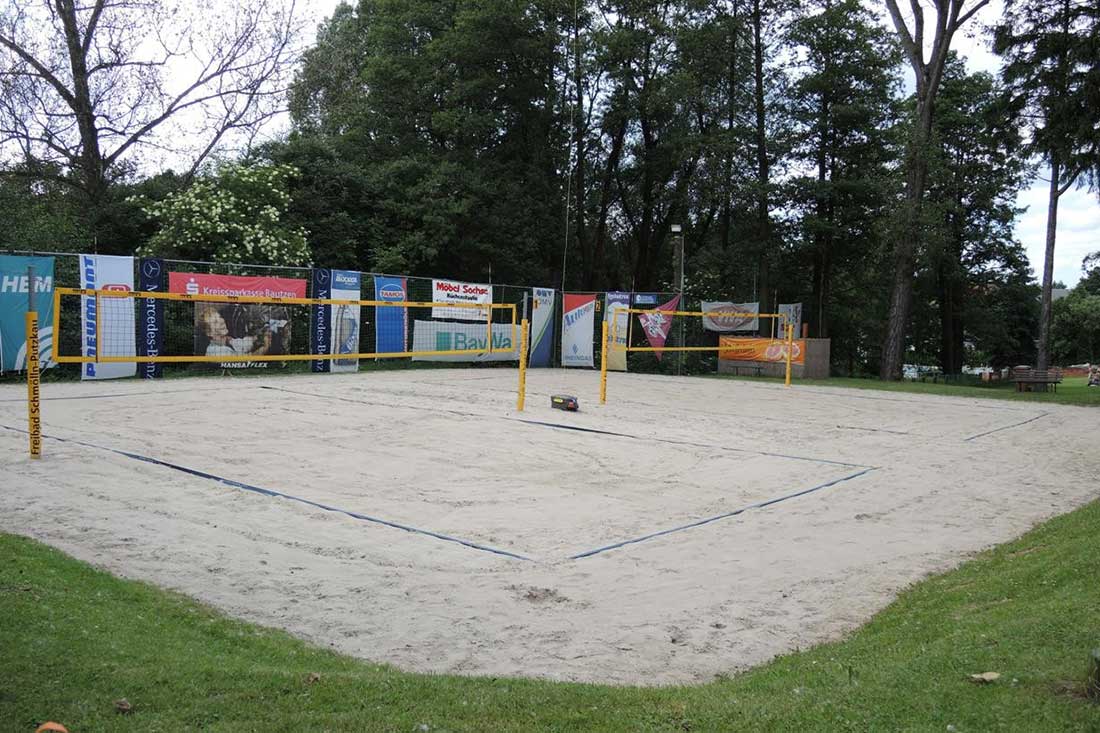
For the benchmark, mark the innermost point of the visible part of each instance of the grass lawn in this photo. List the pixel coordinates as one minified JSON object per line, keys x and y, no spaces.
{"x":74,"y":639}
{"x":1072,"y":390}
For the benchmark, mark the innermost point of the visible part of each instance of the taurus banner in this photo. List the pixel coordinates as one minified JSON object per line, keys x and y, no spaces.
{"x":618,"y":323}
{"x":734,"y":348}
{"x":656,"y":324}
{"x":391,"y":323}
{"x":577,"y":326}
{"x":542,"y":327}
{"x":746,"y":318}
{"x":115,"y":335}
{"x":14,"y":294}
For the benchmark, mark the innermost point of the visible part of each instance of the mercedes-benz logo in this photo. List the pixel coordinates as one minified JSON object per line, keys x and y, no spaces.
{"x":151,"y":268}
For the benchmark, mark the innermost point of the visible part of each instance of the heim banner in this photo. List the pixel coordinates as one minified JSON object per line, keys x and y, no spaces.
{"x":151,"y":312}
{"x":450,"y":291}
{"x":578,"y":322}
{"x":618,"y":325}
{"x":542,"y":327}
{"x":14,"y":294}
{"x":117,"y":332}
{"x":471,"y":337}
{"x":727,"y":323}
{"x":391,"y":323}
{"x":656,"y":325}
{"x":235,"y":329}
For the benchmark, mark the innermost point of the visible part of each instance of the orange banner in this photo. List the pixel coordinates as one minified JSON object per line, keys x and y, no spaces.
{"x":757,"y":349}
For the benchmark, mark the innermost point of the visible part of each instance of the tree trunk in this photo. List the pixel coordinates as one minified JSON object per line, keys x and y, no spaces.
{"x":1045,"y":311}
{"x":763,"y":173}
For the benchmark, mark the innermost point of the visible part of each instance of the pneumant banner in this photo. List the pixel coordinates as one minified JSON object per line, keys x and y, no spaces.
{"x":470,"y":337}
{"x":542,"y":327}
{"x":450,"y":291}
{"x":618,"y":323}
{"x":114,"y":320}
{"x":14,"y":289}
{"x":577,"y":325}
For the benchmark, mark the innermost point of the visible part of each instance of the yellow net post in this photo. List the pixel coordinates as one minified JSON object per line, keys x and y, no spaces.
{"x":34,"y":414}
{"x":603,"y":364}
{"x":790,"y":348}
{"x":522,"y":397}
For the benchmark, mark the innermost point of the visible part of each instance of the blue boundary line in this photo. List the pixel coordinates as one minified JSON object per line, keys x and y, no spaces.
{"x":727,"y":515}
{"x":280,"y":495}
{"x":1006,"y":427}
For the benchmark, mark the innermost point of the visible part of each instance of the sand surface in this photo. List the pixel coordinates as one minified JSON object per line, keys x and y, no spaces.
{"x":643,"y":549}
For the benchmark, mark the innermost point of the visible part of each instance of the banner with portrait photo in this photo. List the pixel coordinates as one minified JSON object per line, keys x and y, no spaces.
{"x":617,"y":317}
{"x":239,"y":329}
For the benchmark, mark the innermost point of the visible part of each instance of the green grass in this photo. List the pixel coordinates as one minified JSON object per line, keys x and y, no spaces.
{"x":1072,"y":390}
{"x":74,"y":639}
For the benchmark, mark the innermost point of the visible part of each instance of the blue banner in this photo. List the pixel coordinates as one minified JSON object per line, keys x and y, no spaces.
{"x":542,"y":327}
{"x":645,"y":299}
{"x":391,"y":324}
{"x":320,"y":320}
{"x":151,"y":279}
{"x":14,"y":287}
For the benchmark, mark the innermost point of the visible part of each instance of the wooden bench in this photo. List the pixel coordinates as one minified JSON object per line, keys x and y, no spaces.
{"x":756,"y":371}
{"x":1024,"y":377}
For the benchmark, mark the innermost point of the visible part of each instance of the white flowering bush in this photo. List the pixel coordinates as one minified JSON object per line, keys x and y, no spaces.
{"x":235,"y":215}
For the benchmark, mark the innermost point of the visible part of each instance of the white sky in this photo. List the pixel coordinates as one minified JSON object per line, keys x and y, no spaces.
{"x":1079,"y":211}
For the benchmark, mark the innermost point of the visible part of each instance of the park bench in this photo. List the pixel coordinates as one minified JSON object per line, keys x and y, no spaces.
{"x":755,"y":371}
{"x":1024,"y":377}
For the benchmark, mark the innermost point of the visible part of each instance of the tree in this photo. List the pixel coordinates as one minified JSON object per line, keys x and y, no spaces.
{"x":1050,"y":67}
{"x":88,"y":86}
{"x":949,"y":16}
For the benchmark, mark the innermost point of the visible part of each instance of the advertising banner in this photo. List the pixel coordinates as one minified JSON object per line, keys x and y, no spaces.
{"x":734,"y":348}
{"x":542,"y":327}
{"x":344,"y":320}
{"x":577,"y":327}
{"x":117,"y":335}
{"x":391,"y":323}
{"x":150,"y":340}
{"x":234,"y":329}
{"x":645,"y":300}
{"x":450,"y":291}
{"x":729,"y":323}
{"x":793,"y":311}
{"x":657,"y":324}
{"x":14,"y":289}
{"x":471,"y":337}
{"x":320,"y":320}
{"x":618,"y":326}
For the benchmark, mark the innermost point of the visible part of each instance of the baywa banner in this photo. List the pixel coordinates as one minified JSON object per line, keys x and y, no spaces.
{"x":450,"y":291}
{"x":577,"y":325}
{"x":471,"y":337}
{"x":731,"y":316}
{"x":14,"y":294}
{"x":542,"y":327}
{"x":793,"y":312}
{"x":334,"y":329}
{"x":618,"y":325}
{"x":151,"y":314}
{"x":391,"y":322}
{"x":116,"y":332}
{"x":238,"y":329}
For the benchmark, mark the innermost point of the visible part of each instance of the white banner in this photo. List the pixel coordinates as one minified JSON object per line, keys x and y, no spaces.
{"x":793,"y":311}
{"x":471,"y":337}
{"x":578,"y":323}
{"x":116,"y":328}
{"x":344,"y":320}
{"x":747,"y":319}
{"x":450,"y":291}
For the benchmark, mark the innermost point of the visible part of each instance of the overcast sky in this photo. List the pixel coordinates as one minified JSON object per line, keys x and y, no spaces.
{"x":1079,"y":211}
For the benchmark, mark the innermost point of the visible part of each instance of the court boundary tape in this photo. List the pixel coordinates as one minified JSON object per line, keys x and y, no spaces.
{"x":272,"y":493}
{"x":718,"y":517}
{"x":1006,"y":427}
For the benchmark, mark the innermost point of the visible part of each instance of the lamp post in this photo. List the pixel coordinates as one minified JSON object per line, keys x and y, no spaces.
{"x":678,"y":265}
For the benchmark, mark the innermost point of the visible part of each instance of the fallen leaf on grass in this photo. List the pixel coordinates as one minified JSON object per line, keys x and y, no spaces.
{"x":985,"y":678}
{"x":123,"y":706}
{"x":313,"y":677}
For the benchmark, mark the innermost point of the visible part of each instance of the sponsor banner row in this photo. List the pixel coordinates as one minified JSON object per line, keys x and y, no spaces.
{"x":735,"y":348}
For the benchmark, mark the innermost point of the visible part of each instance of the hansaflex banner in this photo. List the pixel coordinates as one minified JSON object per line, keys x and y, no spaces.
{"x":391,"y":323}
{"x":577,"y":325}
{"x":14,"y":289}
{"x":450,"y":291}
{"x":116,"y":333}
{"x":469,"y":337}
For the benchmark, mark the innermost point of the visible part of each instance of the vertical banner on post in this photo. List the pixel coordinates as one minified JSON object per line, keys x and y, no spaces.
{"x":656,"y":325}
{"x":344,"y":320}
{"x":391,"y":322}
{"x":319,"y":324}
{"x":793,"y":312}
{"x":617,"y":318}
{"x":151,"y":341}
{"x":542,"y":327}
{"x":578,"y":324}
{"x":115,"y":324}
{"x":14,"y":288}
